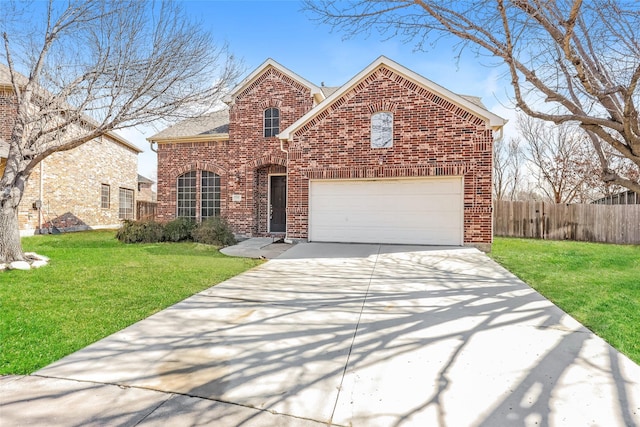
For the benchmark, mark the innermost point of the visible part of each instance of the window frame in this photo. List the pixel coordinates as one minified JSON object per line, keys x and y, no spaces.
{"x":105,"y":199}
{"x":269,"y":128}
{"x":381,"y":135}
{"x":186,"y":202}
{"x":215,"y":193}
{"x":126,"y":211}
{"x":204,"y":198}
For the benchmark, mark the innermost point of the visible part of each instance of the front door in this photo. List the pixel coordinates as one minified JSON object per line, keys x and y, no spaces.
{"x":278,"y":204}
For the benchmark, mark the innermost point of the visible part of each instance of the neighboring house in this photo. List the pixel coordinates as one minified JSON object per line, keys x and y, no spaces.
{"x":389,"y":157}
{"x":146,"y":200}
{"x":91,"y":186}
{"x":145,"y":190}
{"x":627,"y":197}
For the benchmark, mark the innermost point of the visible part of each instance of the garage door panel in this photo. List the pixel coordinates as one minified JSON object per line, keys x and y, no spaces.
{"x":410,"y":202}
{"x":426,"y":211}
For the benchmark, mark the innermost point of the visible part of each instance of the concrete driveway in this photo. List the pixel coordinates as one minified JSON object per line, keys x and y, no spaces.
{"x":345,"y":335}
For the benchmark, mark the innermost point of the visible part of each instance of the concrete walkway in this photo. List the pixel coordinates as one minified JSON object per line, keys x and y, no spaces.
{"x":343,"y":335}
{"x":257,"y":247}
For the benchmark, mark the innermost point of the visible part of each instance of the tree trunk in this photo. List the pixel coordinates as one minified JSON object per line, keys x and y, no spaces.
{"x":10,"y":246}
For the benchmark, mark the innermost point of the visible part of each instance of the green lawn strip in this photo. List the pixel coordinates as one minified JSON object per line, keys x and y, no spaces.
{"x":93,"y":287}
{"x":597,"y":284}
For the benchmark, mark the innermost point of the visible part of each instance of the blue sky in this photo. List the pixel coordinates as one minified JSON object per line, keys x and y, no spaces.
{"x":258,"y":30}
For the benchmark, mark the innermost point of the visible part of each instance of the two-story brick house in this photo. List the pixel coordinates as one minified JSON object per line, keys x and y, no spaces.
{"x":91,"y":186}
{"x":389,"y":157}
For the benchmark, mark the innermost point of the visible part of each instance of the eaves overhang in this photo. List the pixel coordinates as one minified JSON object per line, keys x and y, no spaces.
{"x":193,"y":138}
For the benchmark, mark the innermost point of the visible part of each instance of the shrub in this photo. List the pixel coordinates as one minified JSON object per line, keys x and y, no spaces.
{"x":140,"y":232}
{"x":179,"y":229}
{"x":214,"y":231}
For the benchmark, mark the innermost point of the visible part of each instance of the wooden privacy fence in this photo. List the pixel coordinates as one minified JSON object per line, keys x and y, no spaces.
{"x":590,"y":223}
{"x":146,"y":211}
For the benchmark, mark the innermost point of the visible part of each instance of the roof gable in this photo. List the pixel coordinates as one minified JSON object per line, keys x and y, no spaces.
{"x":269,"y":64}
{"x":465,"y":104}
{"x":5,"y":84}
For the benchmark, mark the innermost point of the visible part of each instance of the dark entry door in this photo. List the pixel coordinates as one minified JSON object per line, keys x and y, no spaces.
{"x":278,"y":208}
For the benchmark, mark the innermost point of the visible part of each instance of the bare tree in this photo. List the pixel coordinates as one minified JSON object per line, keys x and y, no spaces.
{"x":568,"y":60}
{"x":79,"y":69}
{"x":507,"y":168}
{"x":560,"y":158}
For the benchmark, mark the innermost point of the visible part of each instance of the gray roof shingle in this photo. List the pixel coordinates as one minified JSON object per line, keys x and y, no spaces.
{"x":216,"y":123}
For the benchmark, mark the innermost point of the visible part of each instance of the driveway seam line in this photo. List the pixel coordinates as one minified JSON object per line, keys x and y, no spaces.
{"x":355,"y":333}
{"x":172,"y":395}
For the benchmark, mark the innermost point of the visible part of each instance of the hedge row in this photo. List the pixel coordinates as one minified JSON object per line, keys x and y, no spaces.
{"x":213,"y":231}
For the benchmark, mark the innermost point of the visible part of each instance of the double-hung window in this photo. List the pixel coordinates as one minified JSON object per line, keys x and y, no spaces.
{"x":209,"y":195}
{"x":271,"y":122}
{"x":187,"y":195}
{"x":105,"y":196}
{"x":125,"y":210}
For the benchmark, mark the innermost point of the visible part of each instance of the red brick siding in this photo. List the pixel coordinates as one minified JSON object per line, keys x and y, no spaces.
{"x":430,"y":137}
{"x":246,"y":159}
{"x":179,"y":158}
{"x":8,"y":111}
{"x":7,"y":116}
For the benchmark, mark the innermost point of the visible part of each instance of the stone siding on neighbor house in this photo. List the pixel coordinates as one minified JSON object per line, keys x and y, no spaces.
{"x":69,"y":184}
{"x":70,"y":187}
{"x":241,"y":162}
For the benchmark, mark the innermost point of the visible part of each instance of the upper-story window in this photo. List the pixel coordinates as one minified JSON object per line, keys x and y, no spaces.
{"x":382,"y":130}
{"x":271,"y":122}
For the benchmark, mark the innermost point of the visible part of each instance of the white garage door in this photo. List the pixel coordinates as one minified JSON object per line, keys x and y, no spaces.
{"x":425,"y":211}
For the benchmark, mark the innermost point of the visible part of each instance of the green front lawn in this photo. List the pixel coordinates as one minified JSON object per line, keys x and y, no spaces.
{"x":96,"y":286}
{"x":93,"y":287}
{"x":597,"y":284}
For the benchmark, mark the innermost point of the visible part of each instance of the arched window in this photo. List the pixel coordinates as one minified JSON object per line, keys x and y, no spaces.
{"x":209,"y":195}
{"x":187,"y":195}
{"x":382,"y":130}
{"x":271,"y":122}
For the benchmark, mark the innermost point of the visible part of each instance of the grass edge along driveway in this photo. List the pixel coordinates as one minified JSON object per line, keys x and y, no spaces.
{"x":93,"y":287}
{"x":96,"y":286}
{"x":597,"y":284}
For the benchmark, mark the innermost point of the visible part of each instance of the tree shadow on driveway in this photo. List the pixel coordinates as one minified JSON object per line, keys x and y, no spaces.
{"x":384,"y":338}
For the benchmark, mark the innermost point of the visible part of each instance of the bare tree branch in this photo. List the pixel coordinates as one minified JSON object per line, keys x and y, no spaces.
{"x":83,"y":68}
{"x":569,"y":61}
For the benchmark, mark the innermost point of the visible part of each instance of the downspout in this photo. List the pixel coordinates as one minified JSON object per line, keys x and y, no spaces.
{"x":286,"y":231}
